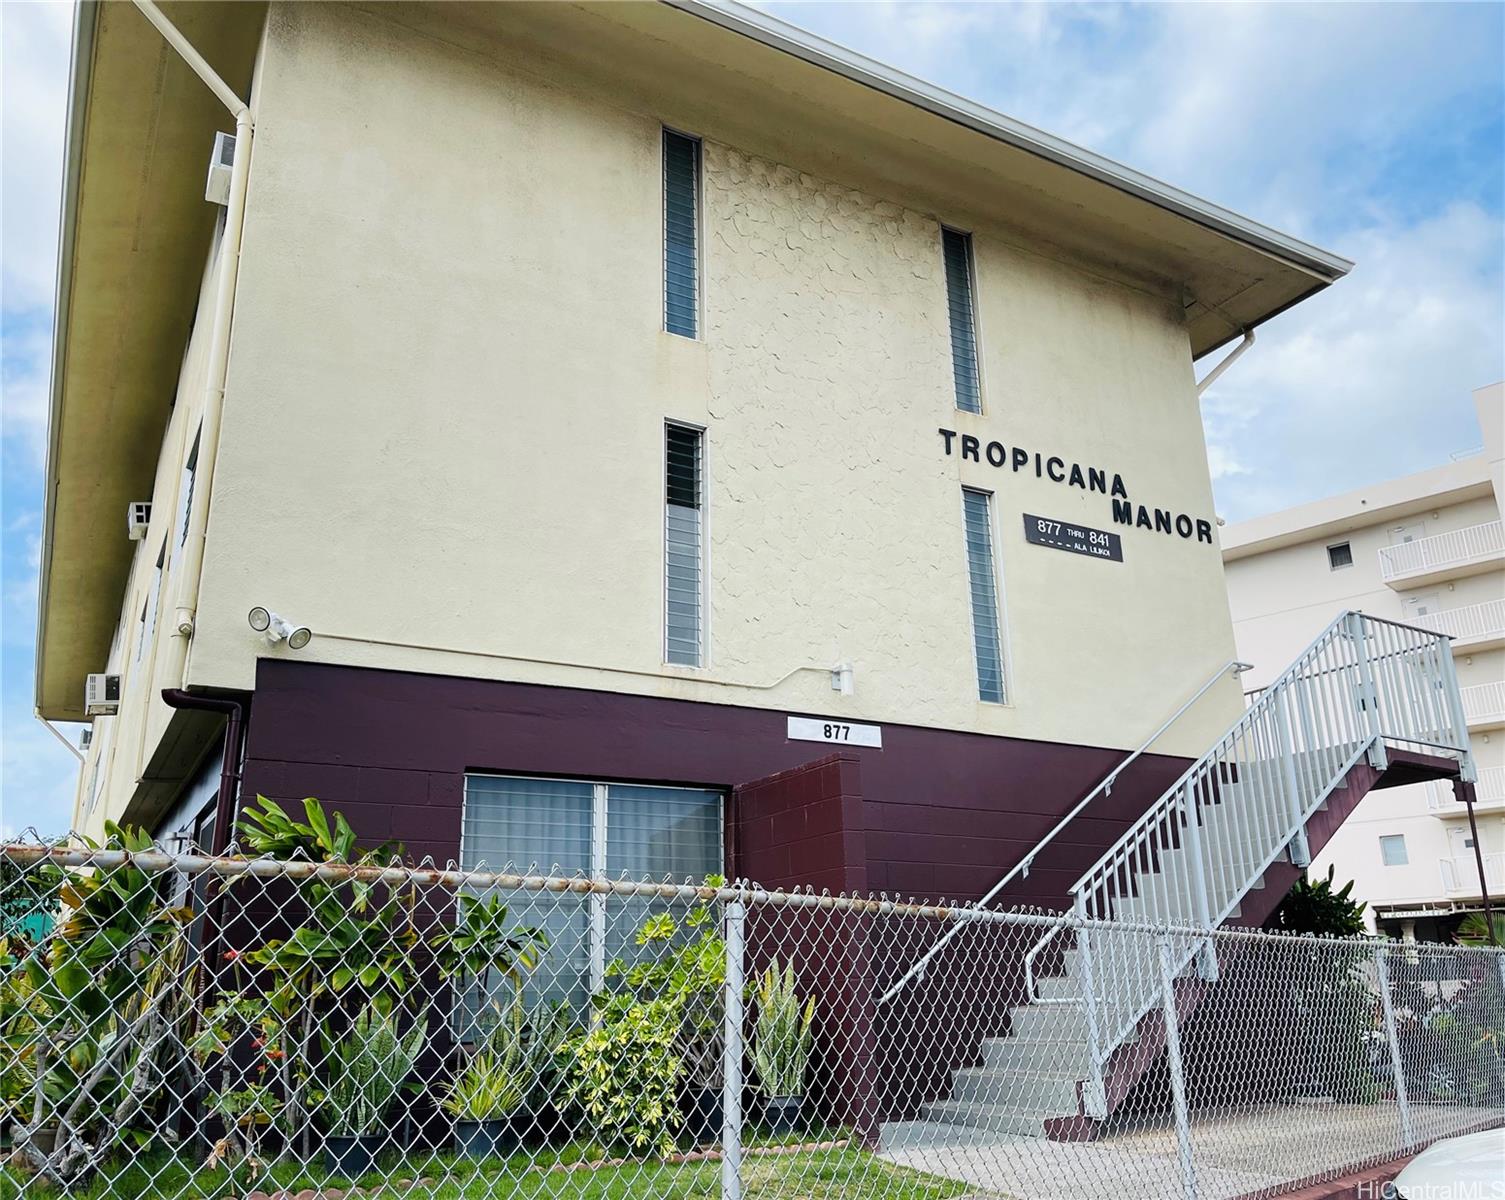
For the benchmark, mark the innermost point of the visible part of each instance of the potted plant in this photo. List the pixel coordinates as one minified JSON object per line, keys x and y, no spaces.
{"x":365,"y":1069}
{"x":781,"y":1046}
{"x":484,"y":1098}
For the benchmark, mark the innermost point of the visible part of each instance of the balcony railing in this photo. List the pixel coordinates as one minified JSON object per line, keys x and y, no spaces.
{"x":1442,"y":551}
{"x":1460,"y":874}
{"x":1483,"y":705}
{"x":1469,"y":625}
{"x":1489,"y":793}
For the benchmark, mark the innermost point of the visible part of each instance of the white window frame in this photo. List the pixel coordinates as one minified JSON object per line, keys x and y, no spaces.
{"x":1393,"y":839}
{"x":705,"y":546}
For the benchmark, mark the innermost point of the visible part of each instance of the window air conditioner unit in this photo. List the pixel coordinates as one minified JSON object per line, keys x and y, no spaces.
{"x":138,"y":515}
{"x":102,"y":695}
{"x":217,"y":189}
{"x":85,"y":739}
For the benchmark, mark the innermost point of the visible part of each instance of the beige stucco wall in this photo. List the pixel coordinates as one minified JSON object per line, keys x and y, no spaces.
{"x":442,"y":439}
{"x":448,"y":384}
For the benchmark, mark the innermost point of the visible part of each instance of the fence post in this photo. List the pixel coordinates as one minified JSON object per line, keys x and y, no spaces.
{"x":731,"y":1057}
{"x":1178,"y":1070}
{"x":1095,"y":1094}
{"x":1402,"y":1098}
{"x":1369,"y":695}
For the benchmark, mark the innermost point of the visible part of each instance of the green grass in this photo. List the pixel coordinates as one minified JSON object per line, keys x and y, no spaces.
{"x":809,"y":1175}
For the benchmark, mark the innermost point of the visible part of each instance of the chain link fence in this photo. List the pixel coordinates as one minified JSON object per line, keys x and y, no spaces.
{"x":175,"y":1025}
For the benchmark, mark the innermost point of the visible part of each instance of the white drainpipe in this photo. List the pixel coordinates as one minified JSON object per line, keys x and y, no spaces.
{"x":1212,"y":375}
{"x":190,"y":568}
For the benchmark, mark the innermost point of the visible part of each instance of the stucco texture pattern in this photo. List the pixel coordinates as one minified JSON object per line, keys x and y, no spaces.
{"x":826,"y":310}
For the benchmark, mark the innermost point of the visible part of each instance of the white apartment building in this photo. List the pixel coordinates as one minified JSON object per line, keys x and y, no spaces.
{"x":1426,"y":550}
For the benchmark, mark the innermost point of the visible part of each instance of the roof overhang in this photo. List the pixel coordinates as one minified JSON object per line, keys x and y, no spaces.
{"x":747,"y":78}
{"x":135,"y":227}
{"x":133,"y":237}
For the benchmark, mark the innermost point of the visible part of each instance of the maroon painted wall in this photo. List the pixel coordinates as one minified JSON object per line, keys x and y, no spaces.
{"x":804,"y":828}
{"x":943,"y":814}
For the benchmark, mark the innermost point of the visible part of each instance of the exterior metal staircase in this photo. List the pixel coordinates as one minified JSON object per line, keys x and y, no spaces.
{"x":1368,"y":703}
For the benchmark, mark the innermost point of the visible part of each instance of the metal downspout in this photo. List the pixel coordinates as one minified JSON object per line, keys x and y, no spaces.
{"x":229,"y":772}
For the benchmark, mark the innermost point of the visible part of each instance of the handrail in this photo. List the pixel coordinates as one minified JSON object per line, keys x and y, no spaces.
{"x":1158,"y":810}
{"x":1105,"y":787}
{"x":1362,"y":683}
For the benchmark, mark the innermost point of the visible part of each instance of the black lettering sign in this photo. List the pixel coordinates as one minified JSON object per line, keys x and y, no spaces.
{"x":1069,"y":536}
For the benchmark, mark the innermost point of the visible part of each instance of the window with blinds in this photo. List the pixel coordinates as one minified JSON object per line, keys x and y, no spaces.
{"x":681,"y":245}
{"x":596,"y":829}
{"x":956,"y":247}
{"x":983,"y":582}
{"x":684,"y":551}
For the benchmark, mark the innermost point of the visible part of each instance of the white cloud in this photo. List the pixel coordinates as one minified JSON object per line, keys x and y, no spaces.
{"x":25,"y":365}
{"x":1371,"y":378}
{"x":34,"y":39}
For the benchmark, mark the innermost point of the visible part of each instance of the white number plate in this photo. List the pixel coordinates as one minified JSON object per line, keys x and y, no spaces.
{"x":821,"y":729}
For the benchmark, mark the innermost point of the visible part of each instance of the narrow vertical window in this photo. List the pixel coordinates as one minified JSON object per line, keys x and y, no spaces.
{"x":684,"y":508}
{"x":681,"y":247}
{"x":154,"y":601}
{"x":190,"y":473}
{"x":957,"y":250}
{"x":977,"y":511}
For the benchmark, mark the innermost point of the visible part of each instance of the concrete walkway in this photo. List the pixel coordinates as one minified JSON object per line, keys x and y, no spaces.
{"x":1253,"y":1151}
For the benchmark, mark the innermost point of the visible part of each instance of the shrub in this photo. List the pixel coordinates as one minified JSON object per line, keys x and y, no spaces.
{"x":625,"y":1076}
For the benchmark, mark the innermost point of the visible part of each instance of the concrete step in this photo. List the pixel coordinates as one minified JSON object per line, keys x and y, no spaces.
{"x":994,"y":1118}
{"x":896,"y":1136}
{"x":1058,"y":987}
{"x":1018,"y":1089}
{"x":1063,"y":1059}
{"x":1049,"y":1023}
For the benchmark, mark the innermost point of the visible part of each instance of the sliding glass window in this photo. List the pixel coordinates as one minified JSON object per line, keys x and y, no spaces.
{"x":599,"y":830}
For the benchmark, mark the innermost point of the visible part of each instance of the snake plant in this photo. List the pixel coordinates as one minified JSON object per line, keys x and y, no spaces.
{"x":781,"y":1037}
{"x":365,"y":1068}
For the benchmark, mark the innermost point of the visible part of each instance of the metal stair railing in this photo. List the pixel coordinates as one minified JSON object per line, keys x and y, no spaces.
{"x":1021,"y":868}
{"x":1364,"y":684}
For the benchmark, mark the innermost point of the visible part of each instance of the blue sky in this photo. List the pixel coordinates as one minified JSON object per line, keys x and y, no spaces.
{"x":1373,"y":130}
